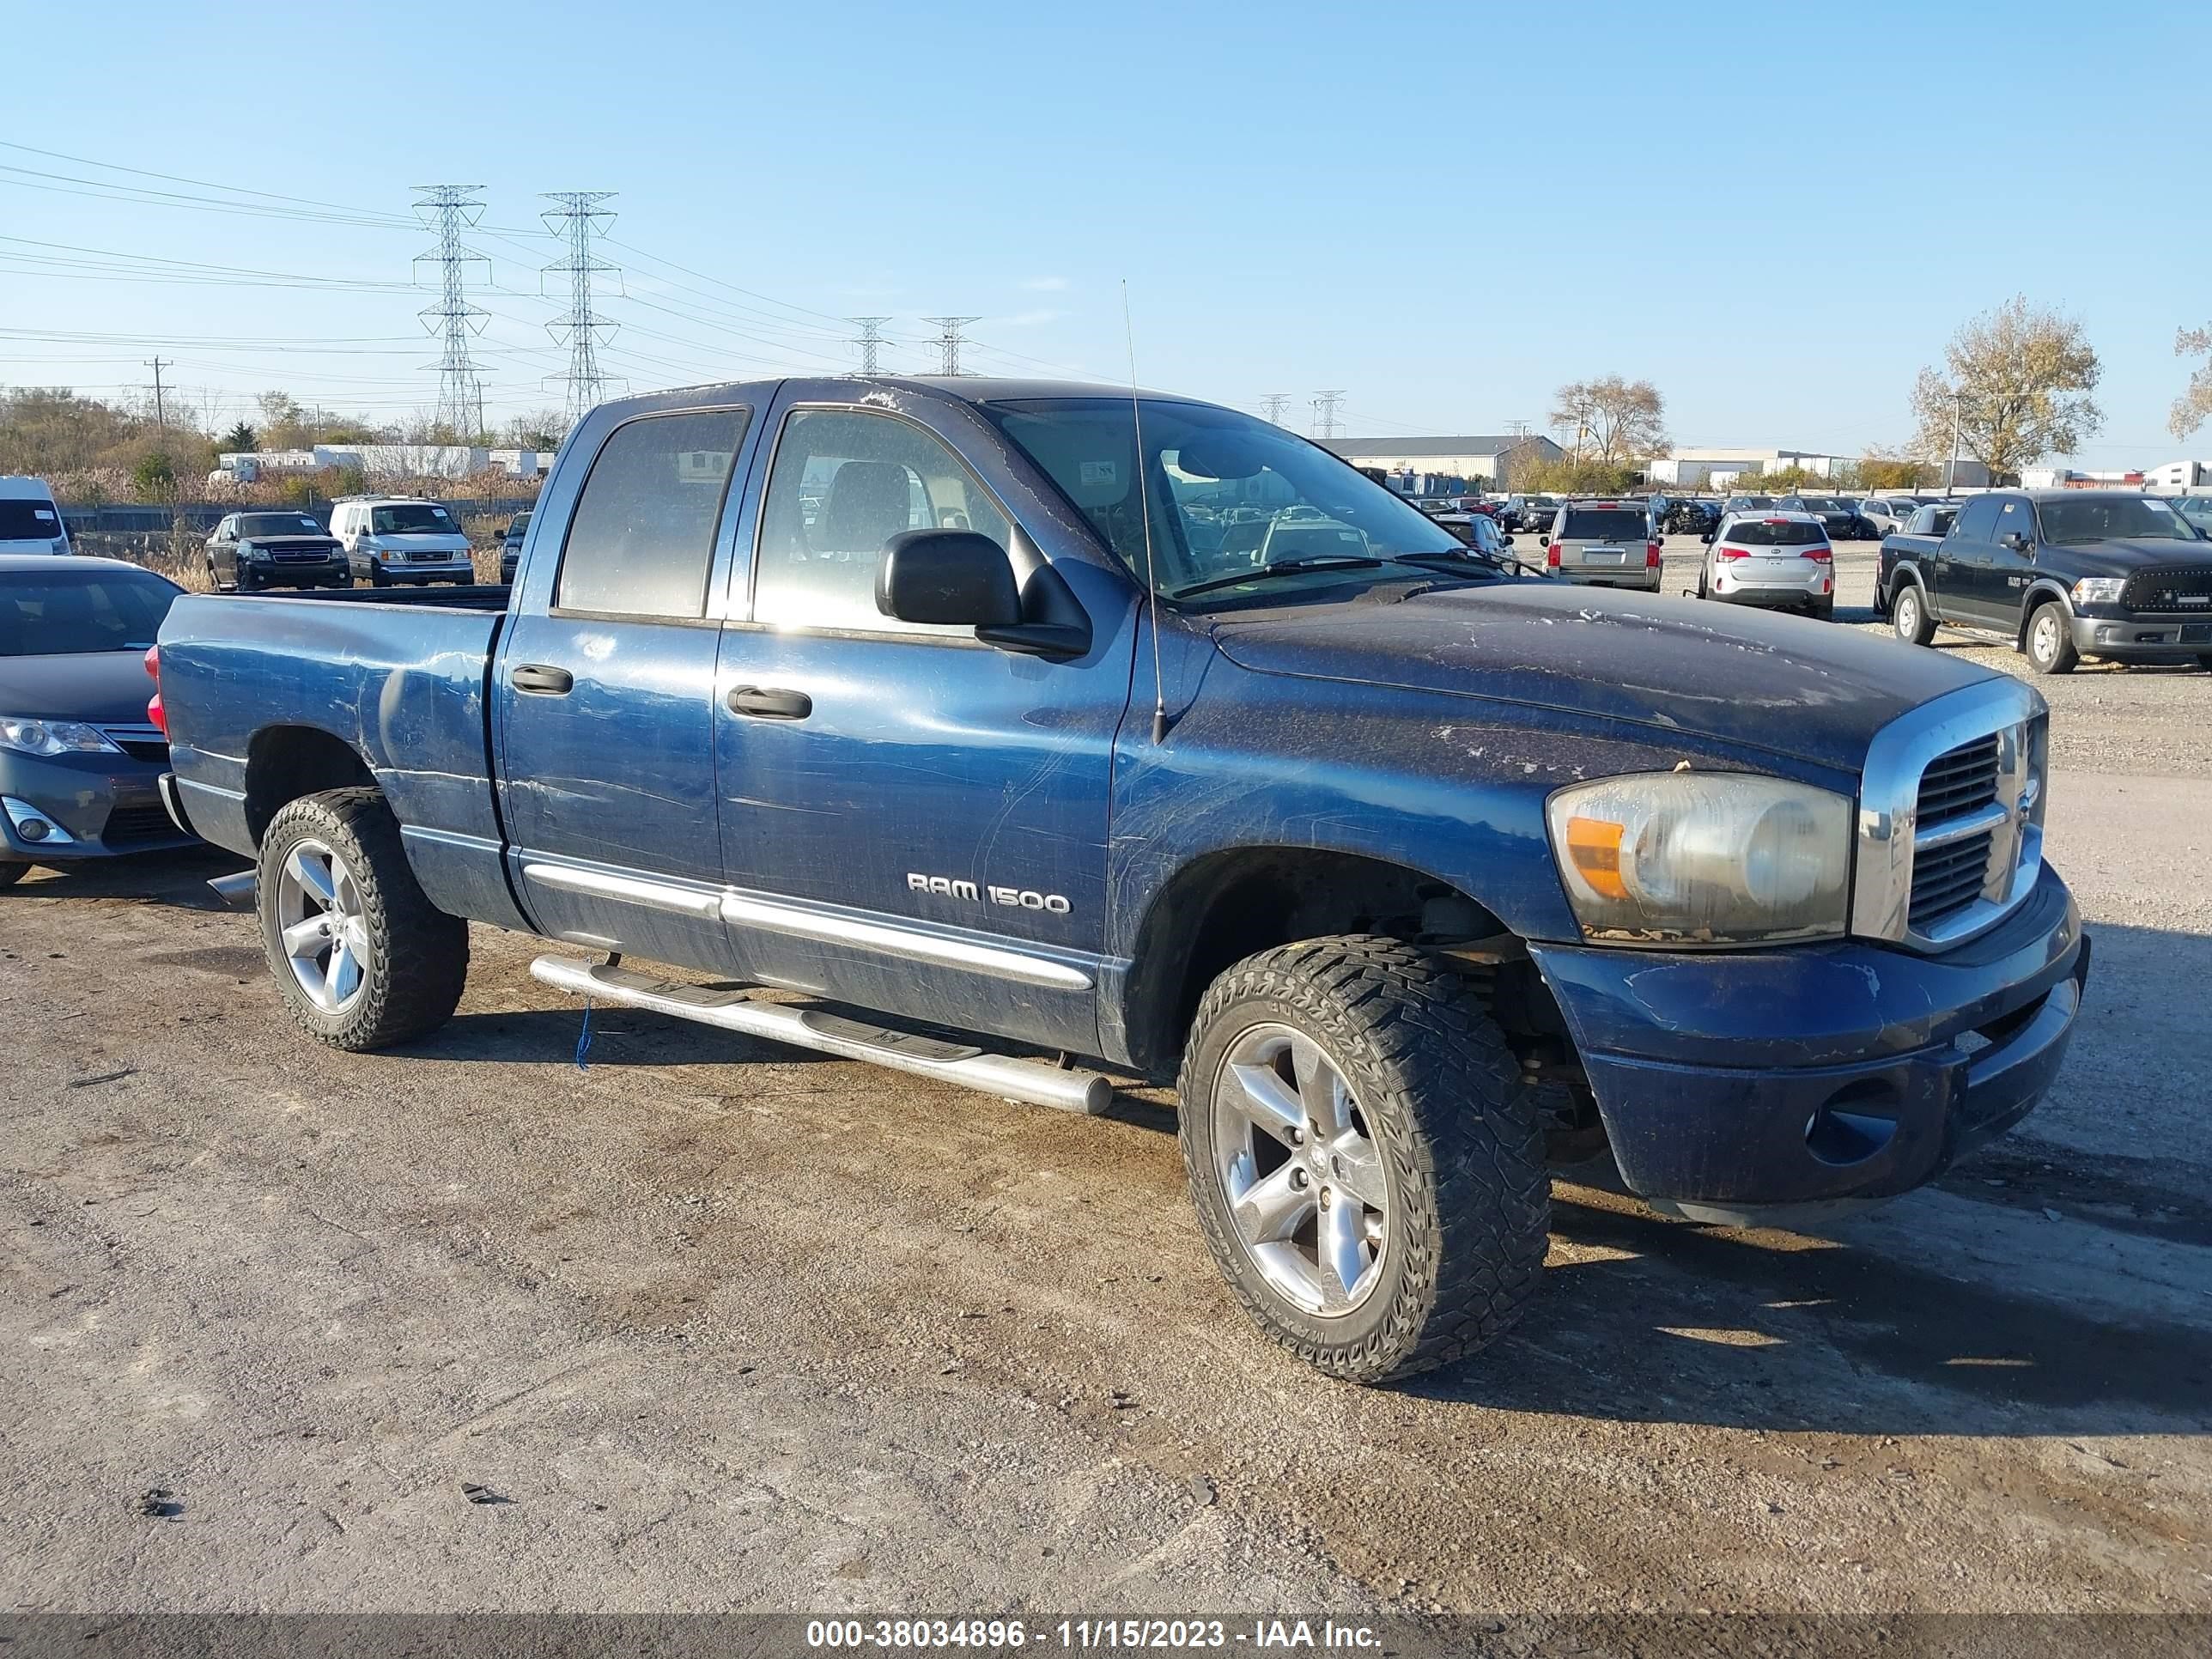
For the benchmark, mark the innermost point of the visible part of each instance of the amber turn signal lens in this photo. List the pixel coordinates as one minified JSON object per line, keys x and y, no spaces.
{"x":1595,"y":846}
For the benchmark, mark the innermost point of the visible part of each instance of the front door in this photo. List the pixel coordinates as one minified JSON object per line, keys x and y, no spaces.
{"x":606,"y":698}
{"x":2010,"y":568}
{"x":912,"y":821}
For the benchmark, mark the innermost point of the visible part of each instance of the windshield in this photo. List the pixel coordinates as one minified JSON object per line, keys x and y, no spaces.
{"x":1819,"y":504}
{"x":54,"y":614}
{"x":276,"y":524}
{"x":410,"y":518}
{"x":2113,"y":518}
{"x":28,"y":521}
{"x":1230,"y":493}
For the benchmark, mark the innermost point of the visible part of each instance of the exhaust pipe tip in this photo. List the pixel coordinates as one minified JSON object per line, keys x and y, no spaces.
{"x":236,"y":891}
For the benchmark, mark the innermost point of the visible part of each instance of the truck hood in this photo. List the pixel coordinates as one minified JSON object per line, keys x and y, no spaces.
{"x":1812,"y":690}
{"x":2118,"y":558}
{"x":108,"y":688}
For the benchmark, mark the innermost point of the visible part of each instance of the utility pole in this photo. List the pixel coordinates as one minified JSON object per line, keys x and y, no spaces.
{"x":1951,"y":466}
{"x":1520,"y":429}
{"x":1277,"y":402}
{"x":870,"y":340}
{"x":577,"y":219}
{"x":949,"y":341}
{"x":161,"y":406}
{"x":1324,"y":406}
{"x":449,"y":209}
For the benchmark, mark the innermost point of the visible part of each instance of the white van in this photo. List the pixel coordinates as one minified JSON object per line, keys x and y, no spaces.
{"x":29,"y":520}
{"x":398,"y":538}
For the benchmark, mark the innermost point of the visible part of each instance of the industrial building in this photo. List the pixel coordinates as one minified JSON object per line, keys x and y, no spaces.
{"x":1464,"y":457}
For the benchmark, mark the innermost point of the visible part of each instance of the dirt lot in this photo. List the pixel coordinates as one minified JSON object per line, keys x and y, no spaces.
{"x":717,"y":1325}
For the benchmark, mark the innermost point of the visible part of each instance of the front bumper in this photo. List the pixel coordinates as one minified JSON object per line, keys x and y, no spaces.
{"x":333,"y":572}
{"x":1757,"y":1084}
{"x":2160,"y":638}
{"x":108,"y":804}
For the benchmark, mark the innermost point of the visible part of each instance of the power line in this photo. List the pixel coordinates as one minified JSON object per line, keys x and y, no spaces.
{"x":948,"y":341}
{"x":1276,"y":403}
{"x":1324,"y":407}
{"x":577,"y":219}
{"x":453,"y":209}
{"x":870,"y":340}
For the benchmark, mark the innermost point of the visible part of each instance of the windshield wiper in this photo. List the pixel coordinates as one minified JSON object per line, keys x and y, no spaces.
{"x":1260,"y":573}
{"x":1470,"y":555}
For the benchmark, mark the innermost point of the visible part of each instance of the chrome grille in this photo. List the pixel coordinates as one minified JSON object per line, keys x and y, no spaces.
{"x":2183,"y":591}
{"x":143,"y":743}
{"x":1959,"y":781}
{"x":1950,"y":836}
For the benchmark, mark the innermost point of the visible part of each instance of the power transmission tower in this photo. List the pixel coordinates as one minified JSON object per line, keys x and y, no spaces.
{"x":1277,"y":402}
{"x":1324,"y":407}
{"x":1520,"y":429}
{"x":161,"y":407}
{"x":577,"y":219}
{"x":870,"y":341}
{"x":948,"y":342}
{"x":449,"y":209}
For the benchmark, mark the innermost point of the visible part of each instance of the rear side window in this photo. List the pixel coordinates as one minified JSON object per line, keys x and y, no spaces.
{"x":642,"y":539}
{"x":1775,"y":532}
{"x":1605,"y":524}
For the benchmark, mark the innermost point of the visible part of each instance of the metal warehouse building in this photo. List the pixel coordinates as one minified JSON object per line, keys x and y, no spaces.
{"x":1466,"y":458}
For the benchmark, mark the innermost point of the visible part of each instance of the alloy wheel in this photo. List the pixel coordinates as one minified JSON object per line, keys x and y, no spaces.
{"x":1303,"y":1175}
{"x":2044,"y":642}
{"x":320,"y":917}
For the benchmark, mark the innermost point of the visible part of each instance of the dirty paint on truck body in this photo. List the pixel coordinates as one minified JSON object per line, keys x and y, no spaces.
{"x":1419,"y":720}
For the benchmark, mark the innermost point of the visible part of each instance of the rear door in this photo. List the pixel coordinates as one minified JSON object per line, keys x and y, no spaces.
{"x":605,"y":692}
{"x":1963,"y":561}
{"x":1603,"y":541}
{"x":912,"y":820}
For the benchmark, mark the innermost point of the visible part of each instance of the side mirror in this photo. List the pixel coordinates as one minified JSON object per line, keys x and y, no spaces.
{"x":2015,"y":541}
{"x":1506,"y":540}
{"x":1543,"y":541}
{"x":1707,"y":539}
{"x":956,"y":577}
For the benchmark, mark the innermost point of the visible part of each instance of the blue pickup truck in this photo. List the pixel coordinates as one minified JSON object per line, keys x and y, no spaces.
{"x":1011,"y":733}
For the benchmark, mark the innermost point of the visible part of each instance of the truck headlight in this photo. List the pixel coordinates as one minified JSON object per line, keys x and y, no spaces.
{"x":2098,"y":590}
{"x":46,"y":737}
{"x":1692,"y":858}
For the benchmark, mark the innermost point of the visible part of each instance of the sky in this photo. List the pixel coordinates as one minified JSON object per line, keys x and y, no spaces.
{"x":1775,"y":214}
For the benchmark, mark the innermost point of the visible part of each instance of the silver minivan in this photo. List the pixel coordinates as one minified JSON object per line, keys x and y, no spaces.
{"x":1603,"y":545}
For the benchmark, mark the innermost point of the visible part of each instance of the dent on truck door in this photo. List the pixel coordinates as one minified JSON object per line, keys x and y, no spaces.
{"x":606,"y":700}
{"x":912,"y":821}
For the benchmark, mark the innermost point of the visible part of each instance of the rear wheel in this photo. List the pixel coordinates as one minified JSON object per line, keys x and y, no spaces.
{"x":1822,"y":610}
{"x":1908,"y":614}
{"x":1366,"y":1162}
{"x":2204,"y":661}
{"x":2049,"y":641}
{"x":360,"y":955}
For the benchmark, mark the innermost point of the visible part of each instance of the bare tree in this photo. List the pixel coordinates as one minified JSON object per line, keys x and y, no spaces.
{"x":2194,"y":406}
{"x":1613,"y":422}
{"x":2014,"y":386}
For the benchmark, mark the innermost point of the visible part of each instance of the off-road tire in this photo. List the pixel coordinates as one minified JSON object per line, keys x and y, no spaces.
{"x":2204,"y":661}
{"x":11,"y":872}
{"x":1908,"y":613}
{"x":418,"y":955}
{"x":2050,"y":651}
{"x":1461,"y":1137}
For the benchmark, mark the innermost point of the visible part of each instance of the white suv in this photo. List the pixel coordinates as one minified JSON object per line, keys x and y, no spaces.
{"x":1770,"y":557}
{"x":397,"y":538}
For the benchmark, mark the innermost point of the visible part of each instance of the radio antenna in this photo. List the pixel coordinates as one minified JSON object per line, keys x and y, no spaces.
{"x":1144,"y":506}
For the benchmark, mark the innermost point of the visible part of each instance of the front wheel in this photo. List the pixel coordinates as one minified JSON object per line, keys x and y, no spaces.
{"x":360,"y":955}
{"x":12,"y":872}
{"x":2049,"y":641}
{"x":1908,"y":614}
{"x":1366,"y":1162}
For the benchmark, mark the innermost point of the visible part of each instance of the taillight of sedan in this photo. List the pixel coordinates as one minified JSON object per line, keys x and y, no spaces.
{"x":155,"y":715}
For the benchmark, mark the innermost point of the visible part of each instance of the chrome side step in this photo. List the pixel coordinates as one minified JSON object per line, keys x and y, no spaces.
{"x":236,"y":891}
{"x":1032,"y":1081}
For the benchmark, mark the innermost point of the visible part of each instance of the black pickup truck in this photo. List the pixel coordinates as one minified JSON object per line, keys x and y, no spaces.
{"x":2064,"y":574}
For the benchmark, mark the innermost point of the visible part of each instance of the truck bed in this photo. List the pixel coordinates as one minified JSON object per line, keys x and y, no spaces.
{"x":345,"y":686}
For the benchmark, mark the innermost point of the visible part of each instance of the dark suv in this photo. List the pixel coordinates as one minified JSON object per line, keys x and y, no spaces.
{"x":2065,"y":574}
{"x":510,"y":545}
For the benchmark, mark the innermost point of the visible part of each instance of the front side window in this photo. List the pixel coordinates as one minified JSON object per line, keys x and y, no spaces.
{"x":1229,"y":494}
{"x":1978,"y":519}
{"x":641,"y":538}
{"x":845,"y":482}
{"x":44,"y":615}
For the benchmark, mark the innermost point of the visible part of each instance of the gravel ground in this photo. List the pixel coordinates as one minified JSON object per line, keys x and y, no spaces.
{"x":718,"y":1325}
